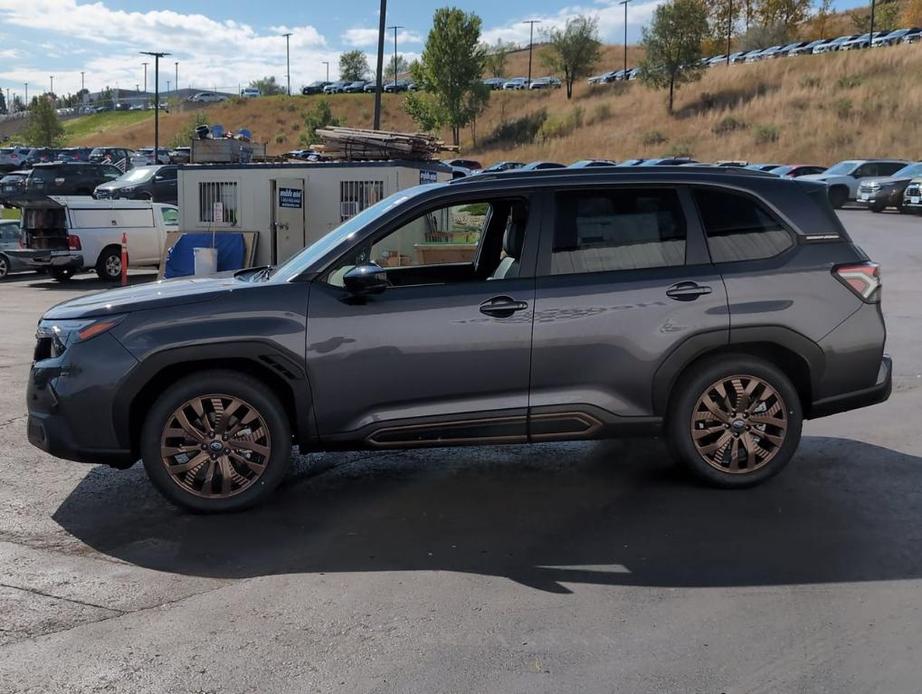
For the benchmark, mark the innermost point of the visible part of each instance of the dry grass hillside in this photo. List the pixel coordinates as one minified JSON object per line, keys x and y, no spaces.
{"x":811,"y":109}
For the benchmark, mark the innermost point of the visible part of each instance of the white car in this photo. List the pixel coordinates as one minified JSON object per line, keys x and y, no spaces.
{"x":516,"y":83}
{"x":250,"y":92}
{"x":843,"y":179}
{"x":82,"y":234}
{"x":145,"y":157}
{"x":207,"y":98}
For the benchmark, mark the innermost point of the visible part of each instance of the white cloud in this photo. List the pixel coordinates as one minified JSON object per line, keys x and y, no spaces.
{"x":369,"y":37}
{"x":210,"y":52}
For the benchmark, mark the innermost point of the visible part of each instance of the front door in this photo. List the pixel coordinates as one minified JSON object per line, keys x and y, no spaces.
{"x":287,"y":218}
{"x":624,"y":279}
{"x":442,"y":354}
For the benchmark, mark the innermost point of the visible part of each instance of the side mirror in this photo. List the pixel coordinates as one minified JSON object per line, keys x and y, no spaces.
{"x":370,"y":278}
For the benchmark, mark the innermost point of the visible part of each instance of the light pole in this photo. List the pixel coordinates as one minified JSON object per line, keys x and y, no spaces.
{"x":176,"y":81}
{"x":531,"y":40}
{"x":729,"y":27}
{"x":156,"y":56}
{"x":145,"y":76}
{"x":625,"y":2}
{"x":871,"y":35}
{"x":26,"y":105}
{"x":168,"y":86}
{"x":51,"y":91}
{"x":395,"y":28}
{"x":327,"y":63}
{"x":382,"y":23}
{"x":288,"y":60}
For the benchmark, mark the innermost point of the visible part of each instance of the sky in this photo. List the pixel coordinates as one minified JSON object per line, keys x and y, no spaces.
{"x":226,"y":45}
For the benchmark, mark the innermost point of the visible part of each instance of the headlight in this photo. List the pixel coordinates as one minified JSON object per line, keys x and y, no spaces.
{"x":55,"y":336}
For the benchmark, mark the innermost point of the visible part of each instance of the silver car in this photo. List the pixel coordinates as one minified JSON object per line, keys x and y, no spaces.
{"x":10,"y":234}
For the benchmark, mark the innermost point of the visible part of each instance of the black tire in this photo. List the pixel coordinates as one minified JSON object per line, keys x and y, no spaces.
{"x":838,"y":196}
{"x":255,"y":396}
{"x":109,"y":264}
{"x":4,"y":267}
{"x":697,"y":382}
{"x":62,"y":274}
{"x":877,"y":207}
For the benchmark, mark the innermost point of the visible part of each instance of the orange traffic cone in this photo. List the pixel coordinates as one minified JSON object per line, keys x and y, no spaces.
{"x":124,"y":260}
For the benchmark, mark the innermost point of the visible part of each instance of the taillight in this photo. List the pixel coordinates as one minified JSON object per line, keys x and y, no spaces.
{"x":73,"y":243}
{"x":863,"y":280}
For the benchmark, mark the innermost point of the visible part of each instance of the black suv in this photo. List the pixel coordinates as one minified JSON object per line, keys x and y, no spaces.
{"x":157,"y":183}
{"x":718,"y":307}
{"x":68,"y":178}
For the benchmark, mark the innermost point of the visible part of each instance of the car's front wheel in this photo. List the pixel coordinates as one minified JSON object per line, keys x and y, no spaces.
{"x":216,"y":441}
{"x":4,"y":267}
{"x":838,"y":196}
{"x":735,"y":421}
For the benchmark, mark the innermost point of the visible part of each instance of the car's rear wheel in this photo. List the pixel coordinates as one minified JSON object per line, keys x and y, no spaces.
{"x":735,"y":421}
{"x":838,"y":196}
{"x":109,"y":264}
{"x":217,"y":441}
{"x":4,"y":267}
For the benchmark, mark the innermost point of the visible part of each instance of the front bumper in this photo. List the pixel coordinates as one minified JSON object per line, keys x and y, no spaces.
{"x":843,"y":402}
{"x":70,"y":401}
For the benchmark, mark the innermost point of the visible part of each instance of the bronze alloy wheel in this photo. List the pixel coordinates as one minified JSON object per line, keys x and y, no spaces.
{"x":739,"y":424}
{"x":215,"y":446}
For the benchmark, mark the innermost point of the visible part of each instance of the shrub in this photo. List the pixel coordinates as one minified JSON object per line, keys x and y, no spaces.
{"x":765,"y":134}
{"x":652,"y":138}
{"x":560,"y":126}
{"x":290,"y":106}
{"x":810,"y":82}
{"x":680,"y":149}
{"x":601,"y":113}
{"x":849,"y":81}
{"x":320,"y":116}
{"x":519,"y":131}
{"x":279,"y":138}
{"x":727,"y":125}
{"x":842,"y":108}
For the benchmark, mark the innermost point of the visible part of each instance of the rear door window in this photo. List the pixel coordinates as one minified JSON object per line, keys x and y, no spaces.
{"x":617,"y":229}
{"x":739,"y":227}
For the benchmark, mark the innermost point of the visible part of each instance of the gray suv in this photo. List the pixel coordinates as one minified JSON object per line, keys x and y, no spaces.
{"x":716,"y":306}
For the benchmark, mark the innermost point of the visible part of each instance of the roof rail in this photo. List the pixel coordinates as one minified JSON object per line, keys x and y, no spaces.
{"x":611,"y":171}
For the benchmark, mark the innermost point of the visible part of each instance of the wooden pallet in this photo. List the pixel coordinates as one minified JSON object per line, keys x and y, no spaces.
{"x":361,"y":144}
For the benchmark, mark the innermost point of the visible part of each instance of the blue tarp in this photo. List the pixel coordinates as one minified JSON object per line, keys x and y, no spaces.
{"x":180,"y":261}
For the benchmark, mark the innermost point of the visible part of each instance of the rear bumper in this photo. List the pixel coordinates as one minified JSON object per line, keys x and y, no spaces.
{"x":47,"y":260}
{"x":843,"y":402}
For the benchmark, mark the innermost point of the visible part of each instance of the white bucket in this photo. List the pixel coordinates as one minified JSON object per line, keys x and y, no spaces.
{"x":206,"y":261}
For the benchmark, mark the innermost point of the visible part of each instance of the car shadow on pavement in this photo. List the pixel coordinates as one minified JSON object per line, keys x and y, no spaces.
{"x":610,"y":513}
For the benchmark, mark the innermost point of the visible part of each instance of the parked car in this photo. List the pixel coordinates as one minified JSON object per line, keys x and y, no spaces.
{"x":12,"y":186}
{"x":371,"y":88}
{"x":668,"y":161}
{"x":761,"y":167}
{"x":763,"y":53}
{"x":117,"y":156}
{"x":314,"y":87}
{"x":912,"y":197}
{"x":592,"y":163}
{"x":41,"y":155}
{"x":471,"y":164}
{"x":74,"y":154}
{"x":64,"y":235}
{"x":892,"y":38}
{"x":834,"y":44}
{"x":541,"y":165}
{"x":877,"y":194}
{"x":740,"y":56}
{"x":10,"y":238}
{"x":67,"y":178}
{"x":601,"y":79}
{"x":537,"y":276}
{"x":630,"y":162}
{"x":797,"y":170}
{"x":11,"y":158}
{"x":336,"y":87}
{"x":861,"y":41}
{"x":207,"y":98}
{"x":180,"y":155}
{"x":786,"y":49}
{"x":355,"y":87}
{"x":503,"y":166}
{"x":394,"y":87}
{"x":842,"y":179}
{"x":807,"y":48}
{"x":912,"y":36}
{"x":516,"y":83}
{"x":545,"y":83}
{"x":250,"y":92}
{"x":145,"y":157}
{"x":495,"y":82}
{"x":157,"y":183}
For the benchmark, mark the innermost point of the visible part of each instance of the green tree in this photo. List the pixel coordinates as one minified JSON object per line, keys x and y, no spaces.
{"x":788,"y":13}
{"x":44,"y":128}
{"x":321,"y":116}
{"x":885,"y":17}
{"x":496,"y":56}
{"x":573,"y":50}
{"x":353,"y":66}
{"x":3,"y":108}
{"x":819,"y":27}
{"x":672,"y":45}
{"x":267,"y":86}
{"x":402,"y":67}
{"x":449,"y":71}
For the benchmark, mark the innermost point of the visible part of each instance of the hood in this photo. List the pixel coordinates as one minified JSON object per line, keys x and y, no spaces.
{"x":884,"y":180}
{"x":159,"y":294}
{"x":816,"y":177}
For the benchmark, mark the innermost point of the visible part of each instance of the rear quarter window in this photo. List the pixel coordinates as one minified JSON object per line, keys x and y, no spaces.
{"x":739,"y":227}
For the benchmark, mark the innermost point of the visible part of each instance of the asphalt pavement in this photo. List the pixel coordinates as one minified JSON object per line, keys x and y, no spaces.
{"x":590,"y":567}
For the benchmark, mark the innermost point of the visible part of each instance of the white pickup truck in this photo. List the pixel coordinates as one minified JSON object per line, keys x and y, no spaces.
{"x":64,"y":235}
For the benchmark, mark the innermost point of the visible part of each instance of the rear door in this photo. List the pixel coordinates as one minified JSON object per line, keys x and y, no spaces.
{"x":624,"y":279}
{"x":288,"y":203}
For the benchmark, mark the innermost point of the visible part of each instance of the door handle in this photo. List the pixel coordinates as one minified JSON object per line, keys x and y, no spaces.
{"x":502,"y":306}
{"x":687,"y":291}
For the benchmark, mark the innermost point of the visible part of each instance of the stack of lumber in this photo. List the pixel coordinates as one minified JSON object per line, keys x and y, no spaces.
{"x":356,"y":144}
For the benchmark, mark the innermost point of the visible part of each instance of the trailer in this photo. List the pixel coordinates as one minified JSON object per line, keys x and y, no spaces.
{"x":289,"y":206}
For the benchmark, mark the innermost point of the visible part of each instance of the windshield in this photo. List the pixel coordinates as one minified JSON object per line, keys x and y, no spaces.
{"x":841,"y":169}
{"x":780,"y":170}
{"x":909,"y":171}
{"x":310,"y":255}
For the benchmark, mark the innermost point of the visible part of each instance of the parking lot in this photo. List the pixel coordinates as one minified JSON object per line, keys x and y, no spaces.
{"x":555,"y":567}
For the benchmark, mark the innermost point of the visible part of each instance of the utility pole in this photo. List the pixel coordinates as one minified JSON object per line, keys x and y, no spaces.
{"x":531,"y":40}
{"x":729,"y":27}
{"x":156,"y":56}
{"x":176,"y":81}
{"x":145,"y":76}
{"x":51,"y":91}
{"x":395,"y":28}
{"x":625,"y":2}
{"x":327,"y":63}
{"x":871,"y":35}
{"x":382,"y":23}
{"x":288,"y":60}
{"x":26,"y":104}
{"x":168,"y":86}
